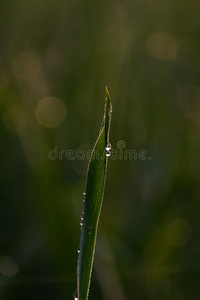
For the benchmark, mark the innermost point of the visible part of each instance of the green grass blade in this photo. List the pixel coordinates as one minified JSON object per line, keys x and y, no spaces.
{"x":92,"y":204}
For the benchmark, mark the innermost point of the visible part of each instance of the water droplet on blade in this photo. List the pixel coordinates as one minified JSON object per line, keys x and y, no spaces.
{"x":75,"y":295}
{"x":78,"y":250}
{"x":108,"y":146}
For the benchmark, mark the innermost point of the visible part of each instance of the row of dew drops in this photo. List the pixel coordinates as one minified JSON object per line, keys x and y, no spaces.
{"x":108,"y":148}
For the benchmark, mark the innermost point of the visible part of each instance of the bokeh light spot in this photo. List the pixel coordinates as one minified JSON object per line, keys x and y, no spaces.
{"x":50,"y":112}
{"x":15,"y":119}
{"x":8,"y":266}
{"x":178,"y":233}
{"x":162,"y":46}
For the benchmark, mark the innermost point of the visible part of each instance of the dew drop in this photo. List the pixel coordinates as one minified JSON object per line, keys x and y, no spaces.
{"x":78,"y":250}
{"x":81,"y":223}
{"x":108,"y":146}
{"x":81,"y":218}
{"x":75,"y":295}
{"x":84,"y":193}
{"x":107,"y":154}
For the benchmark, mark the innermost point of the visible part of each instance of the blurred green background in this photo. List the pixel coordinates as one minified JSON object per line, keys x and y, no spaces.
{"x":55,"y":59}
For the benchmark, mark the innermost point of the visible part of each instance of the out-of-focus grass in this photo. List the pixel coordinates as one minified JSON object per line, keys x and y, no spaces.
{"x":55,"y":59}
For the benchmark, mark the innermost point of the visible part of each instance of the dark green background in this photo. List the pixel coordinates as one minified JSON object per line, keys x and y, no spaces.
{"x":148,"y":242}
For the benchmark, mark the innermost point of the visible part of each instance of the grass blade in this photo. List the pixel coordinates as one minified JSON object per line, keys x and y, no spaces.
{"x":92,"y":203}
